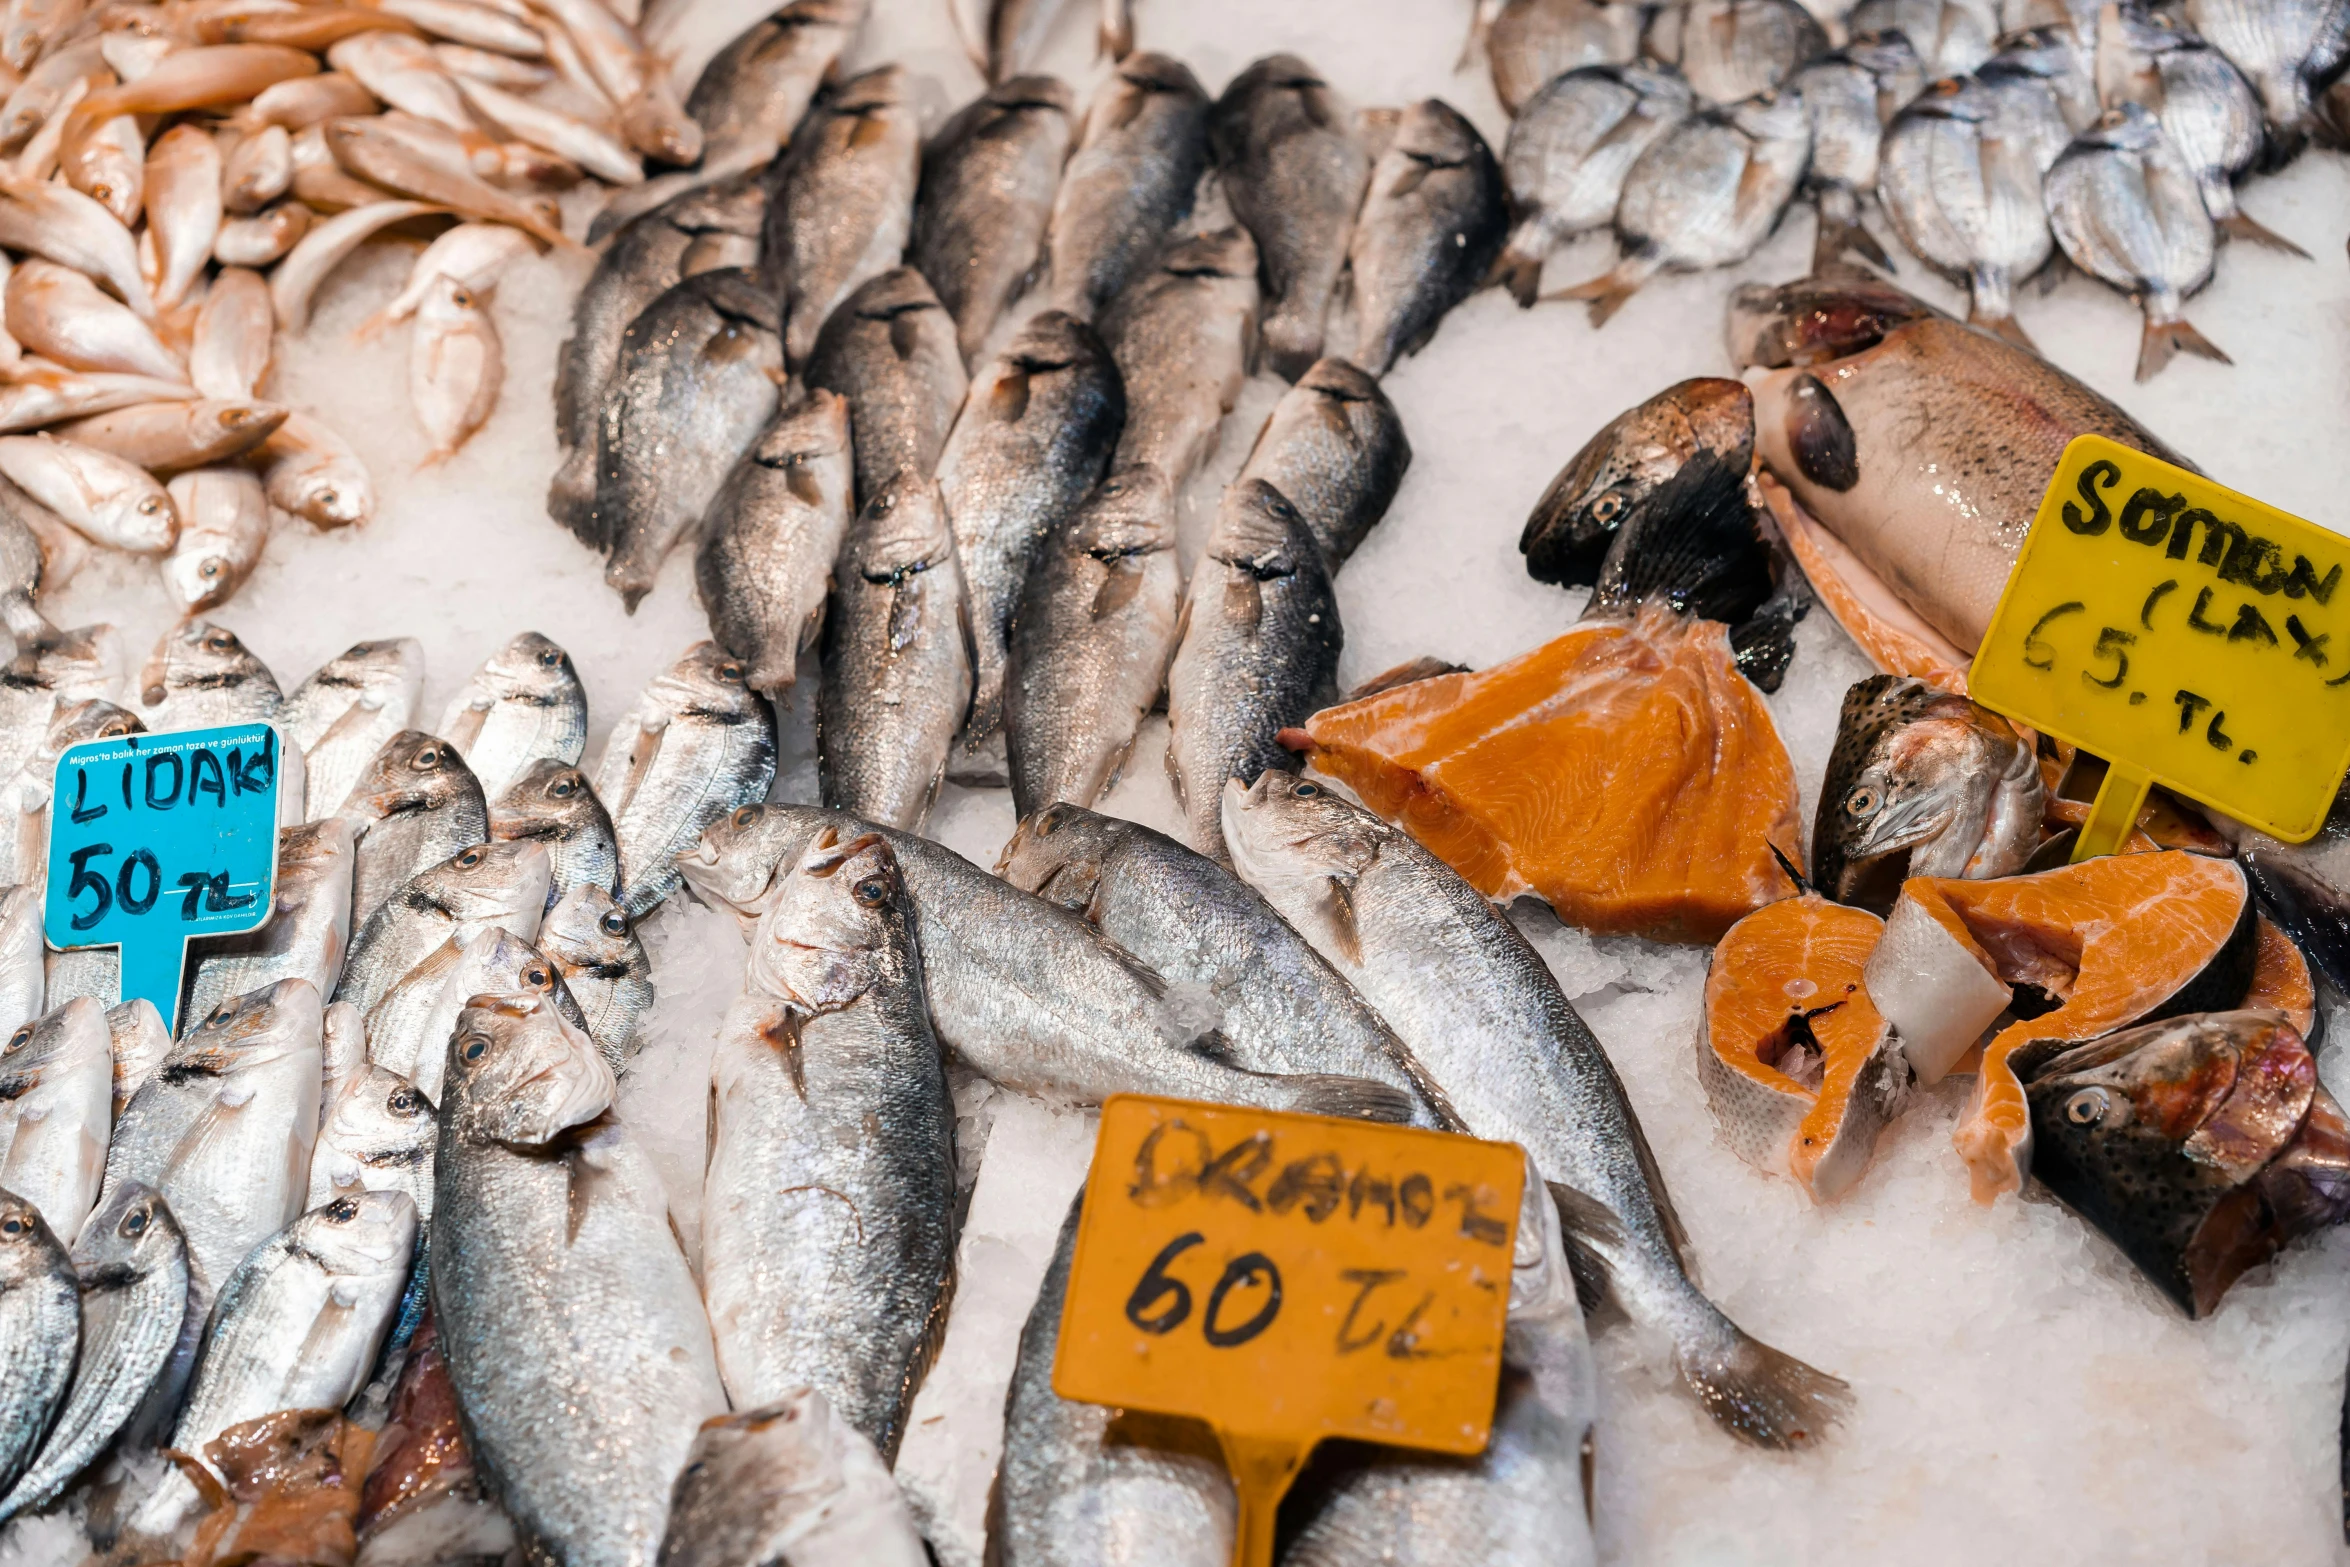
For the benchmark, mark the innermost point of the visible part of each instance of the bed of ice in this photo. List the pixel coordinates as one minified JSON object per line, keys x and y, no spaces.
{"x":2021,"y":1392}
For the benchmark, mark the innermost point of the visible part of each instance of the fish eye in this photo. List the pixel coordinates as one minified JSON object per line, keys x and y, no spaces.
{"x":614,"y":923}
{"x":1608,"y":507}
{"x":12,"y":1225}
{"x":2087,"y":1107}
{"x":16,"y":1041}
{"x":872,"y":891}
{"x":550,"y":658}
{"x":730,"y":670}
{"x":746,"y":814}
{"x":1306,"y":791}
{"x":474,"y":1048}
{"x":535,"y":978}
{"x":342,"y":1210}
{"x":1863,"y":803}
{"x":135,"y":1222}
{"x":564,"y":787}
{"x":429,"y":757}
{"x":211,"y":566}
{"x":152,"y":506}
{"x":220,"y":642}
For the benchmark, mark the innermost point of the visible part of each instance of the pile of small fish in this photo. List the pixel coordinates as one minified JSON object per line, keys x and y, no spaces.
{"x":2112,"y":134}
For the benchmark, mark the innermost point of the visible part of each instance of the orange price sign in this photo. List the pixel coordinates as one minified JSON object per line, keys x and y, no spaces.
{"x":1286,"y":1278}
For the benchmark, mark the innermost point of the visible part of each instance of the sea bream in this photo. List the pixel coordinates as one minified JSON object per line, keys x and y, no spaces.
{"x":1534,"y":42}
{"x":1731,"y":50}
{"x":790,"y":1476}
{"x":40,"y":1328}
{"x":523,"y":705}
{"x":1184,"y":336}
{"x":1569,"y":150}
{"x":1434,"y":217}
{"x":56,"y":1111}
{"x":308,"y":929}
{"x":415,"y":804}
{"x":481,"y":887}
{"x":1335,"y":448}
{"x":697,"y":744}
{"x":890,"y":349}
{"x":344,"y":711}
{"x":2284,"y":47}
{"x":1946,"y":37}
{"x":593,"y":945}
{"x":1959,"y":176}
{"x":1850,"y":94}
{"x":553,"y":803}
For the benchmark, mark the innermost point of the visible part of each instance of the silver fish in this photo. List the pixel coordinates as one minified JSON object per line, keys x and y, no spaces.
{"x":342,"y":1054}
{"x":828,"y":1219}
{"x":139,"y":1042}
{"x":897,"y":659}
{"x":224,"y":526}
{"x":988,"y":179}
{"x":1959,"y":176}
{"x":1035,"y":433}
{"x":890,"y":350}
{"x":1570,"y":147}
{"x":56,"y":1110}
{"x":58,"y":313}
{"x":557,"y":1283}
{"x":20,"y":952}
{"x":408,"y":1029}
{"x":1335,"y":448}
{"x":1949,"y":37}
{"x":842,"y":207}
{"x":297,"y":1326}
{"x":1533,"y":42}
{"x":588,"y":938}
{"x":792,"y":1477}
{"x":97,"y":494}
{"x":1433,"y":220}
{"x":308,"y":928}
{"x":2057,"y":60}
{"x":131,"y":1267}
{"x":1294,"y":173}
{"x":696,"y":383}
{"x":2207,"y":108}
{"x":770,"y":538}
{"x":480,"y":887}
{"x":344,"y":711}
{"x":1256,"y":652}
{"x":698,"y":743}
{"x":1184,"y":337}
{"x":28,"y":794}
{"x":2283,"y":46}
{"x":40,"y":1327}
{"x":1283,"y":1009}
{"x":47,"y":678}
{"x":379,"y":1137}
{"x":554,"y":803}
{"x":525,"y":704}
{"x":1129,"y":184}
{"x":200,"y":674}
{"x":1090,"y":645}
{"x":225,"y":1127}
{"x":2128,"y":210}
{"x":1068,"y":1495}
{"x":1704,"y":194}
{"x":1731,"y":50}
{"x":416,"y":804}
{"x":1849,"y":95}
{"x":1478,"y":1009}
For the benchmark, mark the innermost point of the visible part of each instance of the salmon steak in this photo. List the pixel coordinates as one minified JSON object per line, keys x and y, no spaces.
{"x":1625,"y":772}
{"x":1800,"y":1067}
{"x":2070,"y":953}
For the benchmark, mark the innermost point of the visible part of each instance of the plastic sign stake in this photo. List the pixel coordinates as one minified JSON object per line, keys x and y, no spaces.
{"x":2189,"y":635}
{"x":1286,"y":1278}
{"x":154,"y":839}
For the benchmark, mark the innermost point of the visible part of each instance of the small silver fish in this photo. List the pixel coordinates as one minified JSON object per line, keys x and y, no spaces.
{"x":1571,"y":145}
{"x":770,"y":538}
{"x":2207,"y":108}
{"x":554,"y":803}
{"x":308,"y":928}
{"x":1335,"y":448}
{"x":1432,"y":222}
{"x":698,"y":743}
{"x":1949,"y":37}
{"x":379,"y":1137}
{"x":40,"y":1327}
{"x":415,"y":804}
{"x":56,"y":1110}
{"x":408,"y":1029}
{"x":1731,"y":50}
{"x":524,"y":704}
{"x":1129,"y":184}
{"x":224,"y":526}
{"x":346,"y":710}
{"x":842,"y":207}
{"x":988,"y":178}
{"x":589,"y":939}
{"x":484,"y":886}
{"x":890,"y":350}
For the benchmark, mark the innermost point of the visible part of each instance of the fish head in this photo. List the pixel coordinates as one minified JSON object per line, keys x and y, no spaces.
{"x":835,"y":922}
{"x":2126,"y":127}
{"x":1286,"y":829}
{"x":133,"y":1231}
{"x":587,"y":927}
{"x":73,"y":723}
{"x":518,"y":1074}
{"x":497,"y":962}
{"x":904,"y":527}
{"x":548,"y":799}
{"x":1228,"y":252}
{"x":361,"y":1235}
{"x":413,"y":771}
{"x":28,"y":1250}
{"x":808,"y":445}
{"x":1259,"y":531}
{"x":1772,"y":116}
{"x":1816,"y":319}
{"x":883,"y":87}
{"x":383,"y":1120}
{"x":2163,"y":1136}
{"x":200,"y":655}
{"x":1432,"y":134}
{"x":708,"y":680}
{"x":386,"y":672}
{"x":1058,"y":854}
{"x":531,"y":668}
{"x":310,"y":850}
{"x":1887,"y":55}
{"x":2047,"y":51}
{"x":72,"y":666}
{"x":1650,"y":460}
{"x":1050,"y":344}
{"x":1031,"y":95}
{"x":736,"y":859}
{"x":199,"y":579}
{"x":1129,"y":513}
{"x":253,"y":1029}
{"x":1912,"y":766}
{"x":1141,"y":79}
{"x":1964,"y":100}
{"x":55,"y":1044}
{"x":487,"y":882}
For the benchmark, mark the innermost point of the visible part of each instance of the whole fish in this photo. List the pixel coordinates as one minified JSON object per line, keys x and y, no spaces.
{"x":131,"y":1268}
{"x":1335,"y":448}
{"x":312,"y":472}
{"x":139,"y":1042}
{"x":1533,"y":42}
{"x":553,"y":803}
{"x":40,"y":1327}
{"x":1435,"y":217}
{"x":557,"y":1284}
{"x":1090,"y":645}
{"x":566,"y":139}
{"x":828,"y":1218}
{"x":62,"y":315}
{"x":2207,"y":108}
{"x":416,"y":804}
{"x":1921,"y":783}
{"x":236,"y":328}
{"x":200,"y":674}
{"x":308,"y":928}
{"x":842,"y":206}
{"x":29,"y":793}
{"x":1959,"y":175}
{"x":523,"y":705}
{"x":695,"y":383}
{"x":2284,"y":48}
{"x":61,"y":224}
{"x":1184,"y":337}
{"x":254,"y":172}
{"x":1129,"y":184}
{"x":1849,"y":95}
{"x":1256,"y":652}
{"x":1068,"y":1493}
{"x":1570,"y":148}
{"x":475,"y":255}
{"x":1948,"y":37}
{"x":408,"y":1029}
{"x":698,"y":743}
{"x":267,"y":236}
{"x":890,"y":350}
{"x":20,"y":951}
{"x":344,"y":712}
{"x":897,"y":658}
{"x":1036,"y":431}
{"x":456,"y":364}
{"x":165,"y":437}
{"x":297,"y":1326}
{"x":1704,"y":194}
{"x":2128,"y":210}
{"x":97,"y":494}
{"x":379,"y":1137}
{"x":224,"y":525}
{"x":1028,"y":994}
{"x":57,"y":670}
{"x":1483,"y":1016}
{"x":790,"y":1476}
{"x":1283,"y":1009}
{"x":1294,"y":174}
{"x":2053,"y":62}
{"x":484,"y":886}
{"x":770,"y":538}
{"x":1731,"y":50}
{"x":587,"y":936}
{"x":224,"y":1128}
{"x":986,"y":192}
{"x":56,"y":1110}
{"x":183,"y":201}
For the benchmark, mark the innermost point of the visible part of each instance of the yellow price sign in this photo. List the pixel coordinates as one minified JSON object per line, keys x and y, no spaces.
{"x":1286,"y":1278}
{"x":2189,"y":635}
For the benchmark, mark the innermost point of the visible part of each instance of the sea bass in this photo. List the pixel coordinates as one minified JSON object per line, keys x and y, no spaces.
{"x":553,"y":803}
{"x":890,"y":349}
{"x":1184,"y":336}
{"x":791,"y":1476}
{"x":770,"y":538}
{"x":842,"y":204}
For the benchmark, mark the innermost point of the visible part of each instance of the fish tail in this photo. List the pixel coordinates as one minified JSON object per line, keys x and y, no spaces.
{"x":2240,"y":225}
{"x":1351,"y":1098}
{"x":1839,"y":236}
{"x":1518,"y":272}
{"x":1607,"y":292}
{"x":2004,"y":325}
{"x":1762,"y":1395}
{"x":2163,"y":339}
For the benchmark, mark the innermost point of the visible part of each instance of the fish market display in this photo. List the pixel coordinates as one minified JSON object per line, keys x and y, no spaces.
{"x":38,"y":1324}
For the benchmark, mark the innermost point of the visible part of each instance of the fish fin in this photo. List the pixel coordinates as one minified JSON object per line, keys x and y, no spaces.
{"x":2162,"y":340}
{"x":1412,"y":672}
{"x":1894,"y":636}
{"x":1607,"y":292}
{"x":1119,"y":585}
{"x":918,"y":1364}
{"x":1214,"y":1045}
{"x":1116,"y":36}
{"x":1819,"y":435}
{"x":1151,"y":979}
{"x":2007,"y":327}
{"x":2311,"y":912}
{"x":1763,"y":1395}
{"x":1589,"y":1232}
{"x":2240,"y":225}
{"x":1351,"y":1098}
{"x":1338,"y":906}
{"x":1521,"y":274}
{"x":1837,"y":236}
{"x":1763,"y":645}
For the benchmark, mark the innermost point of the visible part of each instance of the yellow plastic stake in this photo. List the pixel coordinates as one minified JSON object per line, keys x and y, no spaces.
{"x":1261,"y":1468}
{"x":2115,"y":815}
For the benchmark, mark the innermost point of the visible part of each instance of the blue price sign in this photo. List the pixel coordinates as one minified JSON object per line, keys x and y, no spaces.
{"x":157,"y":838}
